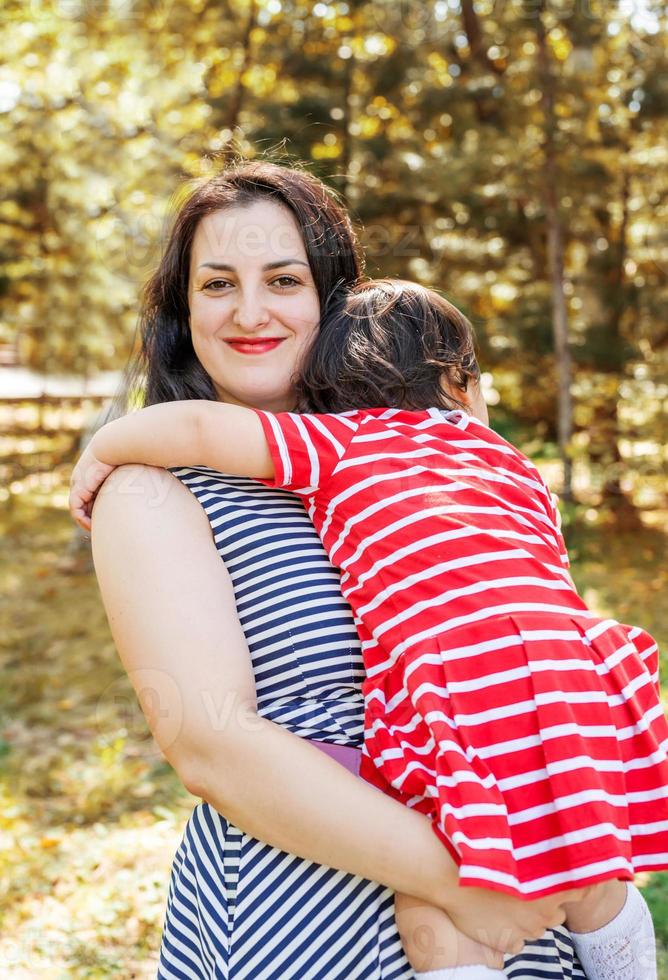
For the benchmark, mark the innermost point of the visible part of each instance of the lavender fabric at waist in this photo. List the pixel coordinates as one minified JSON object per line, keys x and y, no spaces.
{"x":343,"y":754}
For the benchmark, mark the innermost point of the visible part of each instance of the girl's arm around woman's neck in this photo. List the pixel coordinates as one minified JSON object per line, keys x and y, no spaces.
{"x":227,"y":438}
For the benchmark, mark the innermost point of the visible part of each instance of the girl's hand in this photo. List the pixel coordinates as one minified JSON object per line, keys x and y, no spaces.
{"x":87,"y":477}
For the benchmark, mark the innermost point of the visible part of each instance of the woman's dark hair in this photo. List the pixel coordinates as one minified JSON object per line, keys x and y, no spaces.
{"x":387,"y":343}
{"x":166,"y":367}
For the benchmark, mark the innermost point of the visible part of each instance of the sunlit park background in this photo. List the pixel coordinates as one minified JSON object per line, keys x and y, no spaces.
{"x":511,"y":153}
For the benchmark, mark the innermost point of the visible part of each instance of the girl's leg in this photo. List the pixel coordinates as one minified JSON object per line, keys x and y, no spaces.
{"x":437,"y":950}
{"x":613,"y":934}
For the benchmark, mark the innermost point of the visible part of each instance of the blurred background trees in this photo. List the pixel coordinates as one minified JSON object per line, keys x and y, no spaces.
{"x":511,"y":153}
{"x":508,"y":152}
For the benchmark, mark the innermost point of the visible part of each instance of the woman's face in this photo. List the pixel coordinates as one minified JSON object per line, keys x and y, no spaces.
{"x":253,"y":303}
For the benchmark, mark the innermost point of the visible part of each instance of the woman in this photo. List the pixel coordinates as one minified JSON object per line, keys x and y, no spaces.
{"x":240,"y":663}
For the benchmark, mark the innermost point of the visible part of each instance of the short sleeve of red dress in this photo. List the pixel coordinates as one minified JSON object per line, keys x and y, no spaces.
{"x":305,"y":449}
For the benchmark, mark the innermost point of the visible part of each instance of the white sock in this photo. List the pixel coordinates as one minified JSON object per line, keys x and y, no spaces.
{"x":624,"y":949}
{"x":462,"y":973}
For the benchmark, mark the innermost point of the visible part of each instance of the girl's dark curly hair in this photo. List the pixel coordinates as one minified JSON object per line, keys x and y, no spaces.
{"x":388,"y":343}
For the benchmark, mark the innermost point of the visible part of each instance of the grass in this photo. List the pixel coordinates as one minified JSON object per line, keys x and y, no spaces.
{"x":90,"y":815}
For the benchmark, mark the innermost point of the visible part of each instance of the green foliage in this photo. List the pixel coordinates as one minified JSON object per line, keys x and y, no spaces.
{"x":656,"y":893}
{"x":433,"y":130}
{"x":430,"y":120}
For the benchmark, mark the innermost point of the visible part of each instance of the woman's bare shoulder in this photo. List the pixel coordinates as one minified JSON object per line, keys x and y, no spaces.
{"x":135,"y":495}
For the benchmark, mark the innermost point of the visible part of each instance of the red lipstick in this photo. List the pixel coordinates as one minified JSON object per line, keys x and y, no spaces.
{"x":254,"y":345}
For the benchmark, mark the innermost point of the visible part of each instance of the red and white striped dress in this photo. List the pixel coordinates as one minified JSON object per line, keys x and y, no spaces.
{"x":529,"y":728}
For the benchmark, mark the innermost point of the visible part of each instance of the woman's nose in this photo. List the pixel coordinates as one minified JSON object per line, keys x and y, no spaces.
{"x":250,"y":312}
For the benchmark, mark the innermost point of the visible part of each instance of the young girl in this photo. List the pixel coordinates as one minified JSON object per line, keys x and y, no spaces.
{"x":527,"y":727}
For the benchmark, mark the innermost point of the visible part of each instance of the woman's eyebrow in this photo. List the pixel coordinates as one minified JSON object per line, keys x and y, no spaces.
{"x":225,"y":267}
{"x":281,"y":262}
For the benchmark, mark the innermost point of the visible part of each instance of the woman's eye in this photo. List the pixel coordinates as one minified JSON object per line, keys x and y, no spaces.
{"x":216,"y":284}
{"x":285,"y":281}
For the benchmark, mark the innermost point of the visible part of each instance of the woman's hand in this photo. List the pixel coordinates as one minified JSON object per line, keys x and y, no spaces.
{"x":506,"y":923}
{"x":87,"y":477}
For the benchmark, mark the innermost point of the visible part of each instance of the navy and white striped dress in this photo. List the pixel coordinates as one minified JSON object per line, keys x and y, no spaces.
{"x":237,"y":908}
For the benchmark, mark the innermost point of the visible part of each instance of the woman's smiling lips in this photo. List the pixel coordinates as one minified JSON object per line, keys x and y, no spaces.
{"x":253,"y":345}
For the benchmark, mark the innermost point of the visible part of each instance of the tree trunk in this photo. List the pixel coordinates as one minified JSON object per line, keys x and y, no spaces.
{"x":475,"y":37}
{"x":346,"y":125}
{"x":612,"y":480}
{"x":606,"y":422}
{"x":555,"y":256}
{"x":237,"y":98}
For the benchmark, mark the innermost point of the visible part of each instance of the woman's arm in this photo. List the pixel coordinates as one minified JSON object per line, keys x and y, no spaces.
{"x":171,"y":610}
